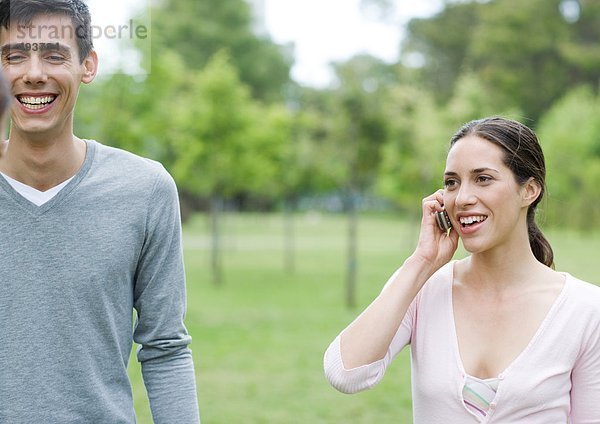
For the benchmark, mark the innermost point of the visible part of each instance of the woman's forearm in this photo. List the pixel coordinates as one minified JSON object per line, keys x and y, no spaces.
{"x":368,"y":337}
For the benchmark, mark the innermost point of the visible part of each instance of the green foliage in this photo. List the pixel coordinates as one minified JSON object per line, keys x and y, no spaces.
{"x":270,"y":151}
{"x":360,"y":127}
{"x":443,"y":41}
{"x":413,"y":159}
{"x":509,"y":58}
{"x":570,"y":135}
{"x":156,"y":99}
{"x":472,"y":100}
{"x":523,"y":70}
{"x":198,"y":29}
{"x":215,"y":151}
{"x":582,"y":48}
{"x":316,"y":153}
{"x":526,"y":55}
{"x":135,"y":114}
{"x":217,"y":107}
{"x":321,"y":166}
{"x":95,"y":114}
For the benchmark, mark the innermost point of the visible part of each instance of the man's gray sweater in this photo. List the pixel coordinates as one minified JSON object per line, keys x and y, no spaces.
{"x":71,"y":273}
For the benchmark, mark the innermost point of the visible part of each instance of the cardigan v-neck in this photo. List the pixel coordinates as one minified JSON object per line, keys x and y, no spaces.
{"x":546,"y":322}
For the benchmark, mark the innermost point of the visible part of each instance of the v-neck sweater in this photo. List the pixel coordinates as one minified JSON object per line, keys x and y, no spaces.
{"x":72,"y":272}
{"x":555,"y":379}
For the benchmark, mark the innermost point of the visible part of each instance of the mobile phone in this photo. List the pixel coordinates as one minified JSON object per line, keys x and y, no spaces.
{"x":443,"y":220}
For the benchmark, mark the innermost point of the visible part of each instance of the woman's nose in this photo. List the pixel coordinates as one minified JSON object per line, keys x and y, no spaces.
{"x":465,"y":196}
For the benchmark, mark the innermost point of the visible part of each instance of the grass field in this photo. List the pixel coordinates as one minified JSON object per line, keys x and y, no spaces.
{"x":259,"y":338}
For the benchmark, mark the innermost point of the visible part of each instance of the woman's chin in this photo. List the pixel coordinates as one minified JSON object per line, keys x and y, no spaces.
{"x":472,"y":247}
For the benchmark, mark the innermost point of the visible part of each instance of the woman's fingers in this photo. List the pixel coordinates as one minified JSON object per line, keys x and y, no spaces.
{"x":433,"y":202}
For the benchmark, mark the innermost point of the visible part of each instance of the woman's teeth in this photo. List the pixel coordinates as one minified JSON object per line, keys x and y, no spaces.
{"x":468,"y":220}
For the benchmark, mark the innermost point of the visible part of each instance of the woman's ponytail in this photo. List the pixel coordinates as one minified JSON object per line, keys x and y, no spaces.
{"x":539,"y":244}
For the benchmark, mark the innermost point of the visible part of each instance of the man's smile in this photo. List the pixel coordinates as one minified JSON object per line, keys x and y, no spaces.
{"x":36,"y":102}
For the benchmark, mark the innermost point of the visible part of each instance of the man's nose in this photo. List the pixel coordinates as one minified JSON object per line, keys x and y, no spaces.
{"x":35,"y":72}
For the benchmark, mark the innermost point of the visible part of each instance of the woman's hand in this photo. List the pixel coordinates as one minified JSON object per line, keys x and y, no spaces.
{"x":435,"y":246}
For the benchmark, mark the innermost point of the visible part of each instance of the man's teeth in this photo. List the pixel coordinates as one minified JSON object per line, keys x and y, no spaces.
{"x":467,"y":220}
{"x":35,"y":103}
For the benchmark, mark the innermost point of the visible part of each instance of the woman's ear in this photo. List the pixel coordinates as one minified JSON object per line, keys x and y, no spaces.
{"x":531,"y":190}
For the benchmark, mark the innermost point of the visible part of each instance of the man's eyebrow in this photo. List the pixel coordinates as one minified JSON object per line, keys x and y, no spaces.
{"x":473,"y":171}
{"x":11,"y":47}
{"x":44,"y":47}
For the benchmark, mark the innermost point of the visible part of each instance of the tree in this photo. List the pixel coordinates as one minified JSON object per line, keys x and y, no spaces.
{"x":582,"y":48}
{"x":526,"y":71}
{"x":143,"y":122}
{"x":220,"y":151}
{"x":570,"y":135}
{"x":472,"y":100}
{"x":443,"y":42}
{"x":199,"y":29}
{"x":360,"y":129}
{"x":281,"y":134}
{"x":526,"y":55}
{"x":415,"y":154}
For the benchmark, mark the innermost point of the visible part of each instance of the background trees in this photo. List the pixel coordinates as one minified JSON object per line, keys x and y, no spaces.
{"x":199,"y":29}
{"x":219,"y":110}
{"x":526,"y":54}
{"x":570,"y":134}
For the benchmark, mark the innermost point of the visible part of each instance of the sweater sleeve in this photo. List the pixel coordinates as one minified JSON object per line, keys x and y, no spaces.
{"x":585,"y":378}
{"x":160,"y":302}
{"x":352,"y":380}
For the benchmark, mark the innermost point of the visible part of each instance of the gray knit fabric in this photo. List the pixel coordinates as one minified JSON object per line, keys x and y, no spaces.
{"x":71,"y":273}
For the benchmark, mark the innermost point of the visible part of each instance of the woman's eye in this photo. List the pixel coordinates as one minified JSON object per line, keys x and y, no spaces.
{"x":483,"y":178}
{"x":449,"y":183}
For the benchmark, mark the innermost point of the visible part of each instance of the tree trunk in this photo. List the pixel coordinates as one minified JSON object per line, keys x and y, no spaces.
{"x":289,"y":234}
{"x":351,"y":264}
{"x":215,"y":260}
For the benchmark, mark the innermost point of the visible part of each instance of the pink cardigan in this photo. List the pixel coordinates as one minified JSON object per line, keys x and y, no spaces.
{"x":554,"y":380}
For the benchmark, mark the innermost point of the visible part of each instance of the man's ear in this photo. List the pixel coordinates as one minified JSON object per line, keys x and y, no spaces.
{"x":90,"y":67}
{"x":531,"y":190}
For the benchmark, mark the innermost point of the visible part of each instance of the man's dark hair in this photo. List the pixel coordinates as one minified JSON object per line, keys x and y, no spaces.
{"x":22,"y":12}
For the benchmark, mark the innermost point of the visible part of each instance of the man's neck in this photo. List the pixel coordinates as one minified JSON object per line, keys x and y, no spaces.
{"x":42,"y":163}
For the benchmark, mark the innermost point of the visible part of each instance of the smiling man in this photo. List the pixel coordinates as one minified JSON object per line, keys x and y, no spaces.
{"x":90,"y":234}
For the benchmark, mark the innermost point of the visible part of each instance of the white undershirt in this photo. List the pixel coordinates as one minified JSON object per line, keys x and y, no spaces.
{"x":35,"y":196}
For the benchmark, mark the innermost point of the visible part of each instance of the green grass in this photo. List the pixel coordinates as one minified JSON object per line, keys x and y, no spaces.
{"x":259,"y":339}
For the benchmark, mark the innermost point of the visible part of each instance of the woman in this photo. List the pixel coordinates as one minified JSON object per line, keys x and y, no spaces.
{"x":497,"y":337}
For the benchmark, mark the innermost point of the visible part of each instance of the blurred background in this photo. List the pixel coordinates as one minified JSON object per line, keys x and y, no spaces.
{"x":303,"y":136}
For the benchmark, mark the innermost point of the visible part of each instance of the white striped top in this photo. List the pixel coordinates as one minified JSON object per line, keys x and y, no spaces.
{"x":478,"y":394}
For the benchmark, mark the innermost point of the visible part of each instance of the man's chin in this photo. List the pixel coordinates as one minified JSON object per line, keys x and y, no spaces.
{"x":33,"y":131}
